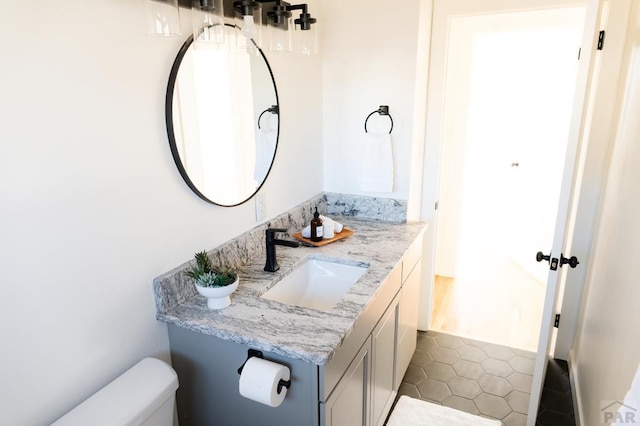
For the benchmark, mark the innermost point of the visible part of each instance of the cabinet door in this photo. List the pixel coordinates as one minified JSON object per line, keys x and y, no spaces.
{"x":384,"y":340}
{"x":348,"y":404}
{"x":408,"y":322}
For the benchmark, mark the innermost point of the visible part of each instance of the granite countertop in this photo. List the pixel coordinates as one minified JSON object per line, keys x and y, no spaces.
{"x":296,"y":332}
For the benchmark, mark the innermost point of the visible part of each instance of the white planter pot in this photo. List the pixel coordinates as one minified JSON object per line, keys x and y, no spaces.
{"x":218,"y":297}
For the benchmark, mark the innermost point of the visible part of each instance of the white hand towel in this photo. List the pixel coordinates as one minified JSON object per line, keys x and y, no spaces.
{"x":337,"y":226}
{"x":376,"y":172}
{"x":265,"y":147}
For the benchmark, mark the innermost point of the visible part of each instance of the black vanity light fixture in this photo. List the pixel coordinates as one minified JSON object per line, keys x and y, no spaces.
{"x":277,"y":16}
{"x":288,"y":27}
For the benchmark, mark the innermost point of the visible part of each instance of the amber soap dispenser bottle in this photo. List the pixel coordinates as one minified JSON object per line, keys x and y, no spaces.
{"x":316,"y":227}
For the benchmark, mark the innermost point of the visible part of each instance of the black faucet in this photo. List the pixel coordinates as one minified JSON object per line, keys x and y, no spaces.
{"x":272,"y":242}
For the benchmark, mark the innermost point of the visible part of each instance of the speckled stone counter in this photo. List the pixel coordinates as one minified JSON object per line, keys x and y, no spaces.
{"x":300,"y":333}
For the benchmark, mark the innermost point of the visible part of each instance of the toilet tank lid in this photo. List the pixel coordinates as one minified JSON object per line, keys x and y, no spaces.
{"x":129,"y":399}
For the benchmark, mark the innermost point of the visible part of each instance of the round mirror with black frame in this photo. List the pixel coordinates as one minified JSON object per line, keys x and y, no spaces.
{"x":222,"y":116}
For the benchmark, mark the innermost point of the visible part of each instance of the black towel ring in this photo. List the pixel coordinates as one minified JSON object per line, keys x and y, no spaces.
{"x":273,"y":110}
{"x":383,"y":110}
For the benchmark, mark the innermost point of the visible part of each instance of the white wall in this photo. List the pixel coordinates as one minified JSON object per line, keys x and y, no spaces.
{"x":92,"y":206}
{"x":369,"y":60}
{"x":607,"y":351}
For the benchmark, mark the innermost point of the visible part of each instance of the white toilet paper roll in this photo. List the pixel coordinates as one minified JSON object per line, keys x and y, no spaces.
{"x":259,"y":381}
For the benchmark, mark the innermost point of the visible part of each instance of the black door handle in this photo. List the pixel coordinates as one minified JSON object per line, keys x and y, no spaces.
{"x":553,"y":263}
{"x":540,"y":257}
{"x":572,"y":261}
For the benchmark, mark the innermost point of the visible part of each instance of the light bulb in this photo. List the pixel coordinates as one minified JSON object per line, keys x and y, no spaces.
{"x":307,"y":41}
{"x":248,"y":27}
{"x":280,"y":37}
{"x":163,"y":17}
{"x":208,"y":23}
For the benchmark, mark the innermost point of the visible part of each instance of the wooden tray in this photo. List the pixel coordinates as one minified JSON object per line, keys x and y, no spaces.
{"x":339,"y":236}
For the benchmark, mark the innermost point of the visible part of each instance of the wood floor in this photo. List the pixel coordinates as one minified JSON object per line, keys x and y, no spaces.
{"x":495,"y":302}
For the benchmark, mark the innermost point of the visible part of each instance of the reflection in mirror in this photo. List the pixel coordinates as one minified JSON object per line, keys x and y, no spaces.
{"x":222,"y":119}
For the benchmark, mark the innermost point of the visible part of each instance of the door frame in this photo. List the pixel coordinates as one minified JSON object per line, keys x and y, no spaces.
{"x":427,"y":139}
{"x":538,"y":172}
{"x":423,"y":200}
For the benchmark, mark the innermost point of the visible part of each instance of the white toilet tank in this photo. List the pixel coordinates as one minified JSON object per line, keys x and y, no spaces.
{"x":143,"y":395}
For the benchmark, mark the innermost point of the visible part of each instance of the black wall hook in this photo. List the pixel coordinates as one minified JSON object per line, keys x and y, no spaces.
{"x":383,"y":110}
{"x":254,"y":352}
{"x":273,"y":110}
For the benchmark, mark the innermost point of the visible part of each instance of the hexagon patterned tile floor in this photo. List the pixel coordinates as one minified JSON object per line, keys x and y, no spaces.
{"x":485,"y":379}
{"x":556,"y":405}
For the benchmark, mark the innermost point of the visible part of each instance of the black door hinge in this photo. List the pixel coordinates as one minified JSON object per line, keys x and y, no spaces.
{"x":556,"y":323}
{"x":601,"y":40}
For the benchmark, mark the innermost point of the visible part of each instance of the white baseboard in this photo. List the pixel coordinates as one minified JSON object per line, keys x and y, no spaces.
{"x":575,"y":389}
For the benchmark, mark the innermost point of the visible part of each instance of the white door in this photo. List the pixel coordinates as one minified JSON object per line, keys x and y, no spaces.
{"x":568,"y":190}
{"x":442,"y":11}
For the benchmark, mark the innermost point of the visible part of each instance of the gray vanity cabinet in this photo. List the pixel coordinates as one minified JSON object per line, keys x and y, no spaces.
{"x":350,"y":401}
{"x":208,"y":392}
{"x":356,"y":387}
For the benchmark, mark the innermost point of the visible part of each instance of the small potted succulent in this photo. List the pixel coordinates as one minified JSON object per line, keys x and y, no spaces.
{"x":214,"y":283}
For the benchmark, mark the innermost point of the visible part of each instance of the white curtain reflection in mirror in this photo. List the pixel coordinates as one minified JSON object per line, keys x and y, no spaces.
{"x":217,"y":143}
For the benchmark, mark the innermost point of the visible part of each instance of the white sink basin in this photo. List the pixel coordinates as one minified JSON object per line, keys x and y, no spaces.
{"x":317,"y":284}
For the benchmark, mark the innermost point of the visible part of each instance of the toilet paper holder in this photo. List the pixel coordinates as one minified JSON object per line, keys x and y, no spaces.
{"x":254,"y":352}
